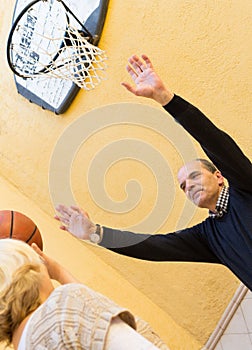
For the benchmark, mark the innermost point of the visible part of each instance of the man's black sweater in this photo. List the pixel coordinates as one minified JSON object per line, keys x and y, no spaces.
{"x":226,"y":240}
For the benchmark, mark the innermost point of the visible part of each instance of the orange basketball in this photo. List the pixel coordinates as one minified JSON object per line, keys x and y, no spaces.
{"x":18,"y":226}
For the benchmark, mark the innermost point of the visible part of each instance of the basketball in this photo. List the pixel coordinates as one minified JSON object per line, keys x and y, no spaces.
{"x":16,"y":225}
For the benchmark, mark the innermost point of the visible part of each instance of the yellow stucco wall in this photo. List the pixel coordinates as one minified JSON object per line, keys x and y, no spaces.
{"x":202,"y":49}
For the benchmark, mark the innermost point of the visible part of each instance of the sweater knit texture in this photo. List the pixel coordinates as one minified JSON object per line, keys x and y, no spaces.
{"x":76,"y":317}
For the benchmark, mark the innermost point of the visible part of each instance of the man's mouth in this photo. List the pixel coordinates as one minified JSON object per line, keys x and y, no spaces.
{"x":196,"y":194}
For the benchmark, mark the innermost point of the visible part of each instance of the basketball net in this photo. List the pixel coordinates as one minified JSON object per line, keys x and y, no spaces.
{"x":78,"y":61}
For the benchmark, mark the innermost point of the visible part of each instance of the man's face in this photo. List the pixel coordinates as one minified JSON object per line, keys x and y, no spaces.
{"x":200,"y":185}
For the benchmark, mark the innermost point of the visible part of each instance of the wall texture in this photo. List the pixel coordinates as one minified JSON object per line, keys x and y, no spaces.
{"x":202,"y":49}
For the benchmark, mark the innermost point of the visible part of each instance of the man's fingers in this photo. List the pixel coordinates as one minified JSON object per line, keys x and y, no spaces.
{"x":132,"y":73}
{"x":129,"y":87}
{"x":64,"y":210}
{"x":140,"y":64}
{"x":56,"y":217}
{"x":147,"y":61}
{"x":78,"y":210}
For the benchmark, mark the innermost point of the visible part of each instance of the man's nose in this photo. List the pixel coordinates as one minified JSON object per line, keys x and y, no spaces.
{"x":189,"y":185}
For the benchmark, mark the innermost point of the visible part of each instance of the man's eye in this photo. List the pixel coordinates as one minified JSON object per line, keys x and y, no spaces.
{"x":194,"y":176}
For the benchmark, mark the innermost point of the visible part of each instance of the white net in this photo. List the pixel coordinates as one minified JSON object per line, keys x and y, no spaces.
{"x":78,"y":61}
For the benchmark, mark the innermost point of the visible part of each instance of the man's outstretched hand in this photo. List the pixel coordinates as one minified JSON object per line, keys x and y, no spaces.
{"x":147,"y":82}
{"x":75,"y":220}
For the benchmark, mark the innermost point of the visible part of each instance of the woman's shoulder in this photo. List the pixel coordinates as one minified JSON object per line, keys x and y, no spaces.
{"x":77,"y":309}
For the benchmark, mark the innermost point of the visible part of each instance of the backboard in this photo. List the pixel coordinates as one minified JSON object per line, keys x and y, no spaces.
{"x":56,"y":94}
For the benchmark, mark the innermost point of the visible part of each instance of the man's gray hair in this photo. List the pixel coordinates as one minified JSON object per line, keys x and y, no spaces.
{"x":207,"y":165}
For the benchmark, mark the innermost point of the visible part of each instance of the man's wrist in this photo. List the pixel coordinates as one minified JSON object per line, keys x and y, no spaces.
{"x":166,"y":98}
{"x":97,"y":235}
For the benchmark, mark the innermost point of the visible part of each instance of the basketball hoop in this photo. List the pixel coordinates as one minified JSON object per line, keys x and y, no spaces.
{"x":48,"y":40}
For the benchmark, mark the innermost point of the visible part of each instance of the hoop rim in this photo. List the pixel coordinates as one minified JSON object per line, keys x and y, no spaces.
{"x":14,"y":25}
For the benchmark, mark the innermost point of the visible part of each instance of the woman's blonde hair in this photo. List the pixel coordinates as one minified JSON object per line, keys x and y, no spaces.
{"x":20,"y":276}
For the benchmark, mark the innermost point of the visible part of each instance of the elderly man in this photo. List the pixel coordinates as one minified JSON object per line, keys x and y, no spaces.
{"x":225,"y":237}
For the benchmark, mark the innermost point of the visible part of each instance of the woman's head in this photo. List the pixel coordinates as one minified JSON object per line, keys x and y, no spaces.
{"x":20,"y":279}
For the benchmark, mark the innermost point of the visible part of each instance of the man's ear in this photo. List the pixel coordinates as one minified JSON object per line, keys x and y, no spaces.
{"x":220,"y":178}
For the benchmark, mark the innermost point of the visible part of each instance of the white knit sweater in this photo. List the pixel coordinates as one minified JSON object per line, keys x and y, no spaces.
{"x":76,"y":317}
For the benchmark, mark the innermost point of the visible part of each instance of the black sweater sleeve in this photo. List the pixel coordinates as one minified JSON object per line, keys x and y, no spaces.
{"x":219,"y":146}
{"x":186,"y":245}
{"x":190,"y":244}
